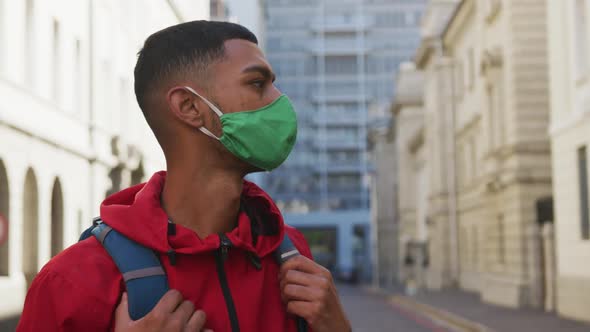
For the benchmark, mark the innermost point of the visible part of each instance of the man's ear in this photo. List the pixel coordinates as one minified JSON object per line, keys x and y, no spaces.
{"x":185,"y":106}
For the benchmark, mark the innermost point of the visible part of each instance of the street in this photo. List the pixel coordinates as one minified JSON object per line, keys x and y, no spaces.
{"x":369,"y":312}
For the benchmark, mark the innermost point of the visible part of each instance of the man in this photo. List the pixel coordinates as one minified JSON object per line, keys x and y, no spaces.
{"x":207,"y":93}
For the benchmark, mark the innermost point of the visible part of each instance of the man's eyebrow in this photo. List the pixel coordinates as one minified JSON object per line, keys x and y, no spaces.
{"x":262,"y":70}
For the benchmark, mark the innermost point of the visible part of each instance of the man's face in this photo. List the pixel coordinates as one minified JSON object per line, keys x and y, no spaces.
{"x":243,"y":80}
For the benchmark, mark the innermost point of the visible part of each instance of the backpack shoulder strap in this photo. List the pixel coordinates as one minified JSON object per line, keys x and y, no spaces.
{"x":284,"y":252}
{"x":88,"y":232}
{"x":144,"y":276}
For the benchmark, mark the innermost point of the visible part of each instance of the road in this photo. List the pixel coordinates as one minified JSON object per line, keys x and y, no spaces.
{"x":373,"y":313}
{"x":367,"y":312}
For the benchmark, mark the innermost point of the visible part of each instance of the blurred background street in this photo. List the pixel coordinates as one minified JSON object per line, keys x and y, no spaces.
{"x":441,"y":167}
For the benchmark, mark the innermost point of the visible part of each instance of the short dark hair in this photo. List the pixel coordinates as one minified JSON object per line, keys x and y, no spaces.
{"x":180,"y":49}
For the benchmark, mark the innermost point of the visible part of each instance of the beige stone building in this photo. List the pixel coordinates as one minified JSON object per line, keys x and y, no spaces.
{"x":569,"y":62}
{"x":384,"y":224}
{"x":442,"y":270}
{"x":412,"y":174}
{"x":70,"y":130}
{"x":499,"y":53}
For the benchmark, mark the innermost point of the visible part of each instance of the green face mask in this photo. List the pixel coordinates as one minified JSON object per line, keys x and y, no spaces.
{"x":263,"y":137}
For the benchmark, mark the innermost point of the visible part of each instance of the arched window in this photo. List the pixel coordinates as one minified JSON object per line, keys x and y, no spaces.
{"x":4,"y":212}
{"x":31,"y":227}
{"x":57,"y":219}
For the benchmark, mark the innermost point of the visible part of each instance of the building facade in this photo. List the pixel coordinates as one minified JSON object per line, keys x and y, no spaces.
{"x":384,"y":226}
{"x":336,"y":60}
{"x":569,"y":40}
{"x":70,"y":130}
{"x":412,"y":175}
{"x":499,"y":52}
{"x":252,"y":15}
{"x":442,"y":248}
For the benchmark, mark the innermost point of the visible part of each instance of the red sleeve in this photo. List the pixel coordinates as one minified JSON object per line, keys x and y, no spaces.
{"x":56,"y":304}
{"x":299,"y":241}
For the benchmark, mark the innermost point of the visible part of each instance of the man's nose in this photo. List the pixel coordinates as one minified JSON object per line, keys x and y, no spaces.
{"x":275,"y":92}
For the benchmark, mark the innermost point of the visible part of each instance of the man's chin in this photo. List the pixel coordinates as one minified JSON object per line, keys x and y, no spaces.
{"x":248,"y":168}
{"x":253,"y":169}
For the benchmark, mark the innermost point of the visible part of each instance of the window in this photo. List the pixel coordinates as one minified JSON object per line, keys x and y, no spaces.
{"x":492,"y":116}
{"x":343,"y":157}
{"x":470,"y":73}
{"x":474,"y":247}
{"x":500,"y":240}
{"x":56,"y":70}
{"x":2,"y":12}
{"x":468,"y":161}
{"x":273,"y":44}
{"x":105,"y":91}
{"x":81,"y":224}
{"x":391,"y":20}
{"x":492,"y":7}
{"x":342,"y":87}
{"x":29,"y":63}
{"x":349,"y":135}
{"x":124,"y":105}
{"x":473,"y":157}
{"x":495,"y":111}
{"x":77,"y":102}
{"x":583,"y":180}
{"x":341,"y":65}
{"x":459,"y":78}
{"x":464,"y":245}
{"x":344,"y":182}
{"x":461,"y":166}
{"x":581,"y":37}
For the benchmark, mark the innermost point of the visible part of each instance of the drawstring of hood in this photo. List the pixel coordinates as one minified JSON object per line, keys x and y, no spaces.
{"x":251,"y":256}
{"x":137,"y":213}
{"x":171,"y":253}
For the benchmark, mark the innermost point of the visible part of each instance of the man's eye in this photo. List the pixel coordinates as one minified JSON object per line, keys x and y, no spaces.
{"x":258,"y":84}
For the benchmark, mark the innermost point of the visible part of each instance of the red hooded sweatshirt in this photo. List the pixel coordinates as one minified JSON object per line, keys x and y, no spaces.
{"x":79,"y":289}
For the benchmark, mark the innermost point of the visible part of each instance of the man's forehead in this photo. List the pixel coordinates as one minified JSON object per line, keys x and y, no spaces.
{"x":244,"y":54}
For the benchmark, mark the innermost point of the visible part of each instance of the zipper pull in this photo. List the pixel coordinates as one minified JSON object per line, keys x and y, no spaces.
{"x":255,"y":260}
{"x":224,"y":245}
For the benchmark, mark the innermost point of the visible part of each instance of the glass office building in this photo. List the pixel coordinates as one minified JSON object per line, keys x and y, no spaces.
{"x":337,"y":61}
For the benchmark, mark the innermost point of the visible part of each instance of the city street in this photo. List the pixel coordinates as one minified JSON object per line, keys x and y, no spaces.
{"x":369,"y":312}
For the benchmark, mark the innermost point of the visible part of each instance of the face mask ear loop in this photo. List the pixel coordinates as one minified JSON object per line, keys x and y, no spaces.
{"x":208,"y":133}
{"x":213,"y":107}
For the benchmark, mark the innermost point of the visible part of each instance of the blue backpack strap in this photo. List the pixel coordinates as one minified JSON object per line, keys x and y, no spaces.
{"x":145,"y":278}
{"x":284,"y":252}
{"x":88,"y":232}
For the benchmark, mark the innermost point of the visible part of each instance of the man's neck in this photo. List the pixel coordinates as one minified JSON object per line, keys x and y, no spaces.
{"x":206,"y":202}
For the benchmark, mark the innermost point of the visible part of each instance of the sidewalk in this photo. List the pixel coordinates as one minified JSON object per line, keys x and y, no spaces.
{"x":470,"y":314}
{"x":8,"y":324}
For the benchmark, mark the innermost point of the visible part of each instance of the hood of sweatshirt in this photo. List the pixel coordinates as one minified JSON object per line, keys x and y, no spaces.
{"x":137,"y":213}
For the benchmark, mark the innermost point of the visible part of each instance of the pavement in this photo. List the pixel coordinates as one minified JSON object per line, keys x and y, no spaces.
{"x":378,"y":310}
{"x":9,"y":324}
{"x":463,"y":311}
{"x":368,"y":312}
{"x":373,"y":312}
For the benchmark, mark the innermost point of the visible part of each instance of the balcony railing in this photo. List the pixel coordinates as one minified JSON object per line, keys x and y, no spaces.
{"x":340,"y":144}
{"x":340,"y":46}
{"x":340,"y":26}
